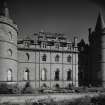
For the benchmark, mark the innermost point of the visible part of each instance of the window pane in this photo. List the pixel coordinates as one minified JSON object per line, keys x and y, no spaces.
{"x":57,"y":75}
{"x":69,"y":58}
{"x":69,"y":75}
{"x":43,"y":75}
{"x":28,"y":56}
{"x":44,"y":58}
{"x":57,"y":58}
{"x":26,"y":75}
{"x":10,"y":75}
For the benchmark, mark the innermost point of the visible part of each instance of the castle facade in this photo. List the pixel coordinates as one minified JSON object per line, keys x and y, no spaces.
{"x":47,"y":60}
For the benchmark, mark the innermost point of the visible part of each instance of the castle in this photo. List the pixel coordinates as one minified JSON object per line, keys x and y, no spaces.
{"x":92,"y":56}
{"x":48,"y":60}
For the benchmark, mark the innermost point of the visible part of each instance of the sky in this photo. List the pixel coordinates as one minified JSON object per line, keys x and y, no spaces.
{"x":71,"y":17}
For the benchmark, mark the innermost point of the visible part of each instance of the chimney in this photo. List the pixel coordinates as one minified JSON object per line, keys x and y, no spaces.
{"x":90,"y":31}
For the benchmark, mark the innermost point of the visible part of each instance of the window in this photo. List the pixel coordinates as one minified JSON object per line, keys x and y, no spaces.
{"x":56,"y":75}
{"x":69,"y":75}
{"x":57,"y":45}
{"x":26,"y":74}
{"x":44,"y":57}
{"x":26,"y":44}
{"x":43,"y":75}
{"x":9,"y":52}
{"x":10,"y":35}
{"x":69,"y":58}
{"x":69,"y":46}
{"x":9,"y":77}
{"x":57,"y":58}
{"x":28,"y":56}
{"x":44,"y":45}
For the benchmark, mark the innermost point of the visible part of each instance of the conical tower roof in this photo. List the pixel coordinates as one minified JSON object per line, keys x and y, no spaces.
{"x":100,"y":25}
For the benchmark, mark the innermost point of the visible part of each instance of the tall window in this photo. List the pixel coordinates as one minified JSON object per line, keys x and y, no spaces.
{"x":44,"y":57}
{"x":69,"y":59}
{"x":9,"y":77}
{"x":26,"y":74}
{"x":69,"y":75}
{"x":28,"y":56}
{"x":57,"y":58}
{"x":56,"y":75}
{"x":43,"y":75}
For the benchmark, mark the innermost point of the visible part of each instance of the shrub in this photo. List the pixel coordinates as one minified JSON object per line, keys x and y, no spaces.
{"x":99,"y":100}
{"x":4,"y":89}
{"x":27,"y":89}
{"x":16,"y":89}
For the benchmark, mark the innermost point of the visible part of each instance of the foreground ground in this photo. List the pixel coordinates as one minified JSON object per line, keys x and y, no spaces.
{"x":55,"y":97}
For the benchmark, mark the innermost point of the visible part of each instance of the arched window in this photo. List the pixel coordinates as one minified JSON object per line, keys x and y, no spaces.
{"x":57,"y":58}
{"x":43,"y":75}
{"x":9,"y":52}
{"x":9,"y":77}
{"x":28,"y":56}
{"x":57,"y":75}
{"x":26,"y":74}
{"x":44,"y":57}
{"x":69,"y":75}
{"x":69,"y":58}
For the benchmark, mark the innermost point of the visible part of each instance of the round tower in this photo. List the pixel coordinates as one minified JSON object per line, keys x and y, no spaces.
{"x":8,"y":47}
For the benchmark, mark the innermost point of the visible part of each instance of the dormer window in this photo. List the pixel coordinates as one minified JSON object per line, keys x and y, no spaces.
{"x":26,"y":43}
{"x":44,"y":44}
{"x":57,"y":45}
{"x":69,"y":46}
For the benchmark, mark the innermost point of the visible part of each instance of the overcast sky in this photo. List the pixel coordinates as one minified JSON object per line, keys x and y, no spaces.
{"x":71,"y":17}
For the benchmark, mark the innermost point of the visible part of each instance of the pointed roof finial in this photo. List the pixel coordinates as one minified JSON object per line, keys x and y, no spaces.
{"x":4,"y":11}
{"x":100,"y":25}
